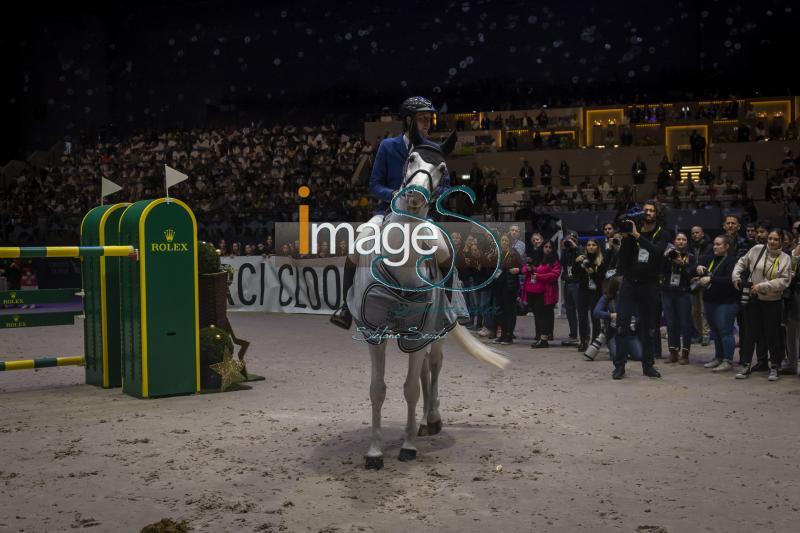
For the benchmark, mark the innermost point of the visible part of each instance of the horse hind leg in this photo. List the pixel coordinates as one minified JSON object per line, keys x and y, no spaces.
{"x":425,"y":381}
{"x":408,"y":451}
{"x":377,"y":394}
{"x":435,"y":360}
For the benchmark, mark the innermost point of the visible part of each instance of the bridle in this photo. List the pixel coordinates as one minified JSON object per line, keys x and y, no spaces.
{"x":410,"y":177}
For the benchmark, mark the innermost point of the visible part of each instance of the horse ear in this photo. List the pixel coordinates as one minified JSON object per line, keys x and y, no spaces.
{"x":414,"y":135}
{"x":450,"y":143}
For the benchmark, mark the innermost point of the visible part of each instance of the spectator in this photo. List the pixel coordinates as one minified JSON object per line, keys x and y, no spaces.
{"x":545,"y":171}
{"x":591,"y":273}
{"x":721,"y":301}
{"x":570,"y":250}
{"x":698,"y":145}
{"x":506,"y":288}
{"x":748,"y":169}
{"x":700,"y":248}
{"x":679,"y":267}
{"x":527,"y":174}
{"x":638,"y":171}
{"x":542,"y":285}
{"x":563,"y":174}
{"x":769,"y":272}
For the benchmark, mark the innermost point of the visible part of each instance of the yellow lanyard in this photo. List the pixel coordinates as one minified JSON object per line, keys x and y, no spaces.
{"x":658,"y":230}
{"x":711,"y":266}
{"x":772,"y":270}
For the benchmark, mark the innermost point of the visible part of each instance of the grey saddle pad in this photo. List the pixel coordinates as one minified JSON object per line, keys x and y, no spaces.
{"x":413,"y":318}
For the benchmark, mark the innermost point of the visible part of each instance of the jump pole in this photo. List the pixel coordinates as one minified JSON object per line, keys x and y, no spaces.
{"x":40,"y":362}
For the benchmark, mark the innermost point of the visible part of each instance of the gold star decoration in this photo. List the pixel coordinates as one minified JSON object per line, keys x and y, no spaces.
{"x":229,"y":369}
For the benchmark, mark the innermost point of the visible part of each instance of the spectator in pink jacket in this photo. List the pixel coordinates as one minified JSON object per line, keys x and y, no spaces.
{"x":541,"y":287}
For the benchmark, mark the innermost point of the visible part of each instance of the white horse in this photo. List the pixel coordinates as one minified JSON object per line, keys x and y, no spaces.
{"x":384,"y":313}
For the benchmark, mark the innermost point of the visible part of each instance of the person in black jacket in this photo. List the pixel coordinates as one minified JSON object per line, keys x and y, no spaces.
{"x":721,"y":301}
{"x":677,"y":272}
{"x":640,"y":260}
{"x":506,"y":289}
{"x":591,"y":273}
{"x":570,"y":249}
{"x":699,"y":247}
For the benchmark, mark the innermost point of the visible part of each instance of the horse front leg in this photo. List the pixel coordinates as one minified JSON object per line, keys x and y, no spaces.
{"x":435,"y":360}
{"x":408,"y":451}
{"x":377,"y":394}
{"x":425,"y":381}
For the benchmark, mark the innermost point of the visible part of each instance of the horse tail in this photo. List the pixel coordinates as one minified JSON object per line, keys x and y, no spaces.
{"x":477,"y":349}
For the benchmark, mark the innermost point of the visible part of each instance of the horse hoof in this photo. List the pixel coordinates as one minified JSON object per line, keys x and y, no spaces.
{"x":423,"y":431}
{"x":374,"y":463}
{"x":407,"y":455}
{"x":435,"y":428}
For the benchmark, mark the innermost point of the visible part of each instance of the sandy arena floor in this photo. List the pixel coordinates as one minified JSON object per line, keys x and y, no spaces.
{"x":692,"y":452}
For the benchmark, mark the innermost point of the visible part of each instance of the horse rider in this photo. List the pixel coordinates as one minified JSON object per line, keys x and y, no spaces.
{"x":385,"y":180}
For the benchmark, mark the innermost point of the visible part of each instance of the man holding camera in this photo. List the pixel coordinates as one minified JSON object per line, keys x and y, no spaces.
{"x":640,"y":261}
{"x":570,"y":250}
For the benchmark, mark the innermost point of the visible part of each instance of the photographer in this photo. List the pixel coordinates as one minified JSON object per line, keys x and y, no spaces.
{"x":762,"y":275}
{"x":591,"y":273}
{"x":640,"y":259}
{"x":721,"y":301}
{"x":610,"y":247}
{"x":679,"y":268}
{"x":570,"y":250}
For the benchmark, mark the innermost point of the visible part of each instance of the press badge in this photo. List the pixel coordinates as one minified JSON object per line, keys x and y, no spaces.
{"x":644,"y":255}
{"x":569,"y":271}
{"x":674,"y":280}
{"x":592,"y":285}
{"x":610,"y":273}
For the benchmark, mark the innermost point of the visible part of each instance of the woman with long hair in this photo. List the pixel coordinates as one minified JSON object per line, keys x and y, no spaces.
{"x":506,"y":288}
{"x":541,"y":285}
{"x":676,"y":274}
{"x":770,"y":270}
{"x":591,"y":271}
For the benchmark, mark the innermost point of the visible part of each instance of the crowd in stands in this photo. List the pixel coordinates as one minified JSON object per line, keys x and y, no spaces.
{"x":240,"y":180}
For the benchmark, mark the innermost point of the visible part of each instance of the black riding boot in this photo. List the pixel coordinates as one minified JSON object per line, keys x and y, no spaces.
{"x":342,"y":317}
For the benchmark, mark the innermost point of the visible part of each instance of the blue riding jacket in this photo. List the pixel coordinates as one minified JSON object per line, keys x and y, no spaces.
{"x":387,"y":172}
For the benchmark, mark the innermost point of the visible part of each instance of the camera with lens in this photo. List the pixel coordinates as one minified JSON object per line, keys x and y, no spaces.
{"x":569,"y":243}
{"x":745,"y":298}
{"x":673,"y":254}
{"x":586,"y":263}
{"x":615,"y":241}
{"x":625,"y":221}
{"x":594,"y":347}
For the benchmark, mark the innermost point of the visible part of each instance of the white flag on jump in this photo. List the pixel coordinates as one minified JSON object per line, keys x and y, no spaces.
{"x":108,"y":187}
{"x":173,"y":177}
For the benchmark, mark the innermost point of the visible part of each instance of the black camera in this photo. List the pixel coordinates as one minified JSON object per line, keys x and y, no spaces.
{"x":672,"y":254}
{"x":626,"y":220}
{"x":586,"y":263}
{"x":569,"y":243}
{"x":615,"y":241}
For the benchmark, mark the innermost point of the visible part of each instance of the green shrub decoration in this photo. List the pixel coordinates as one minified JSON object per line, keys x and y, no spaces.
{"x":208,"y":261}
{"x":213,"y":342}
